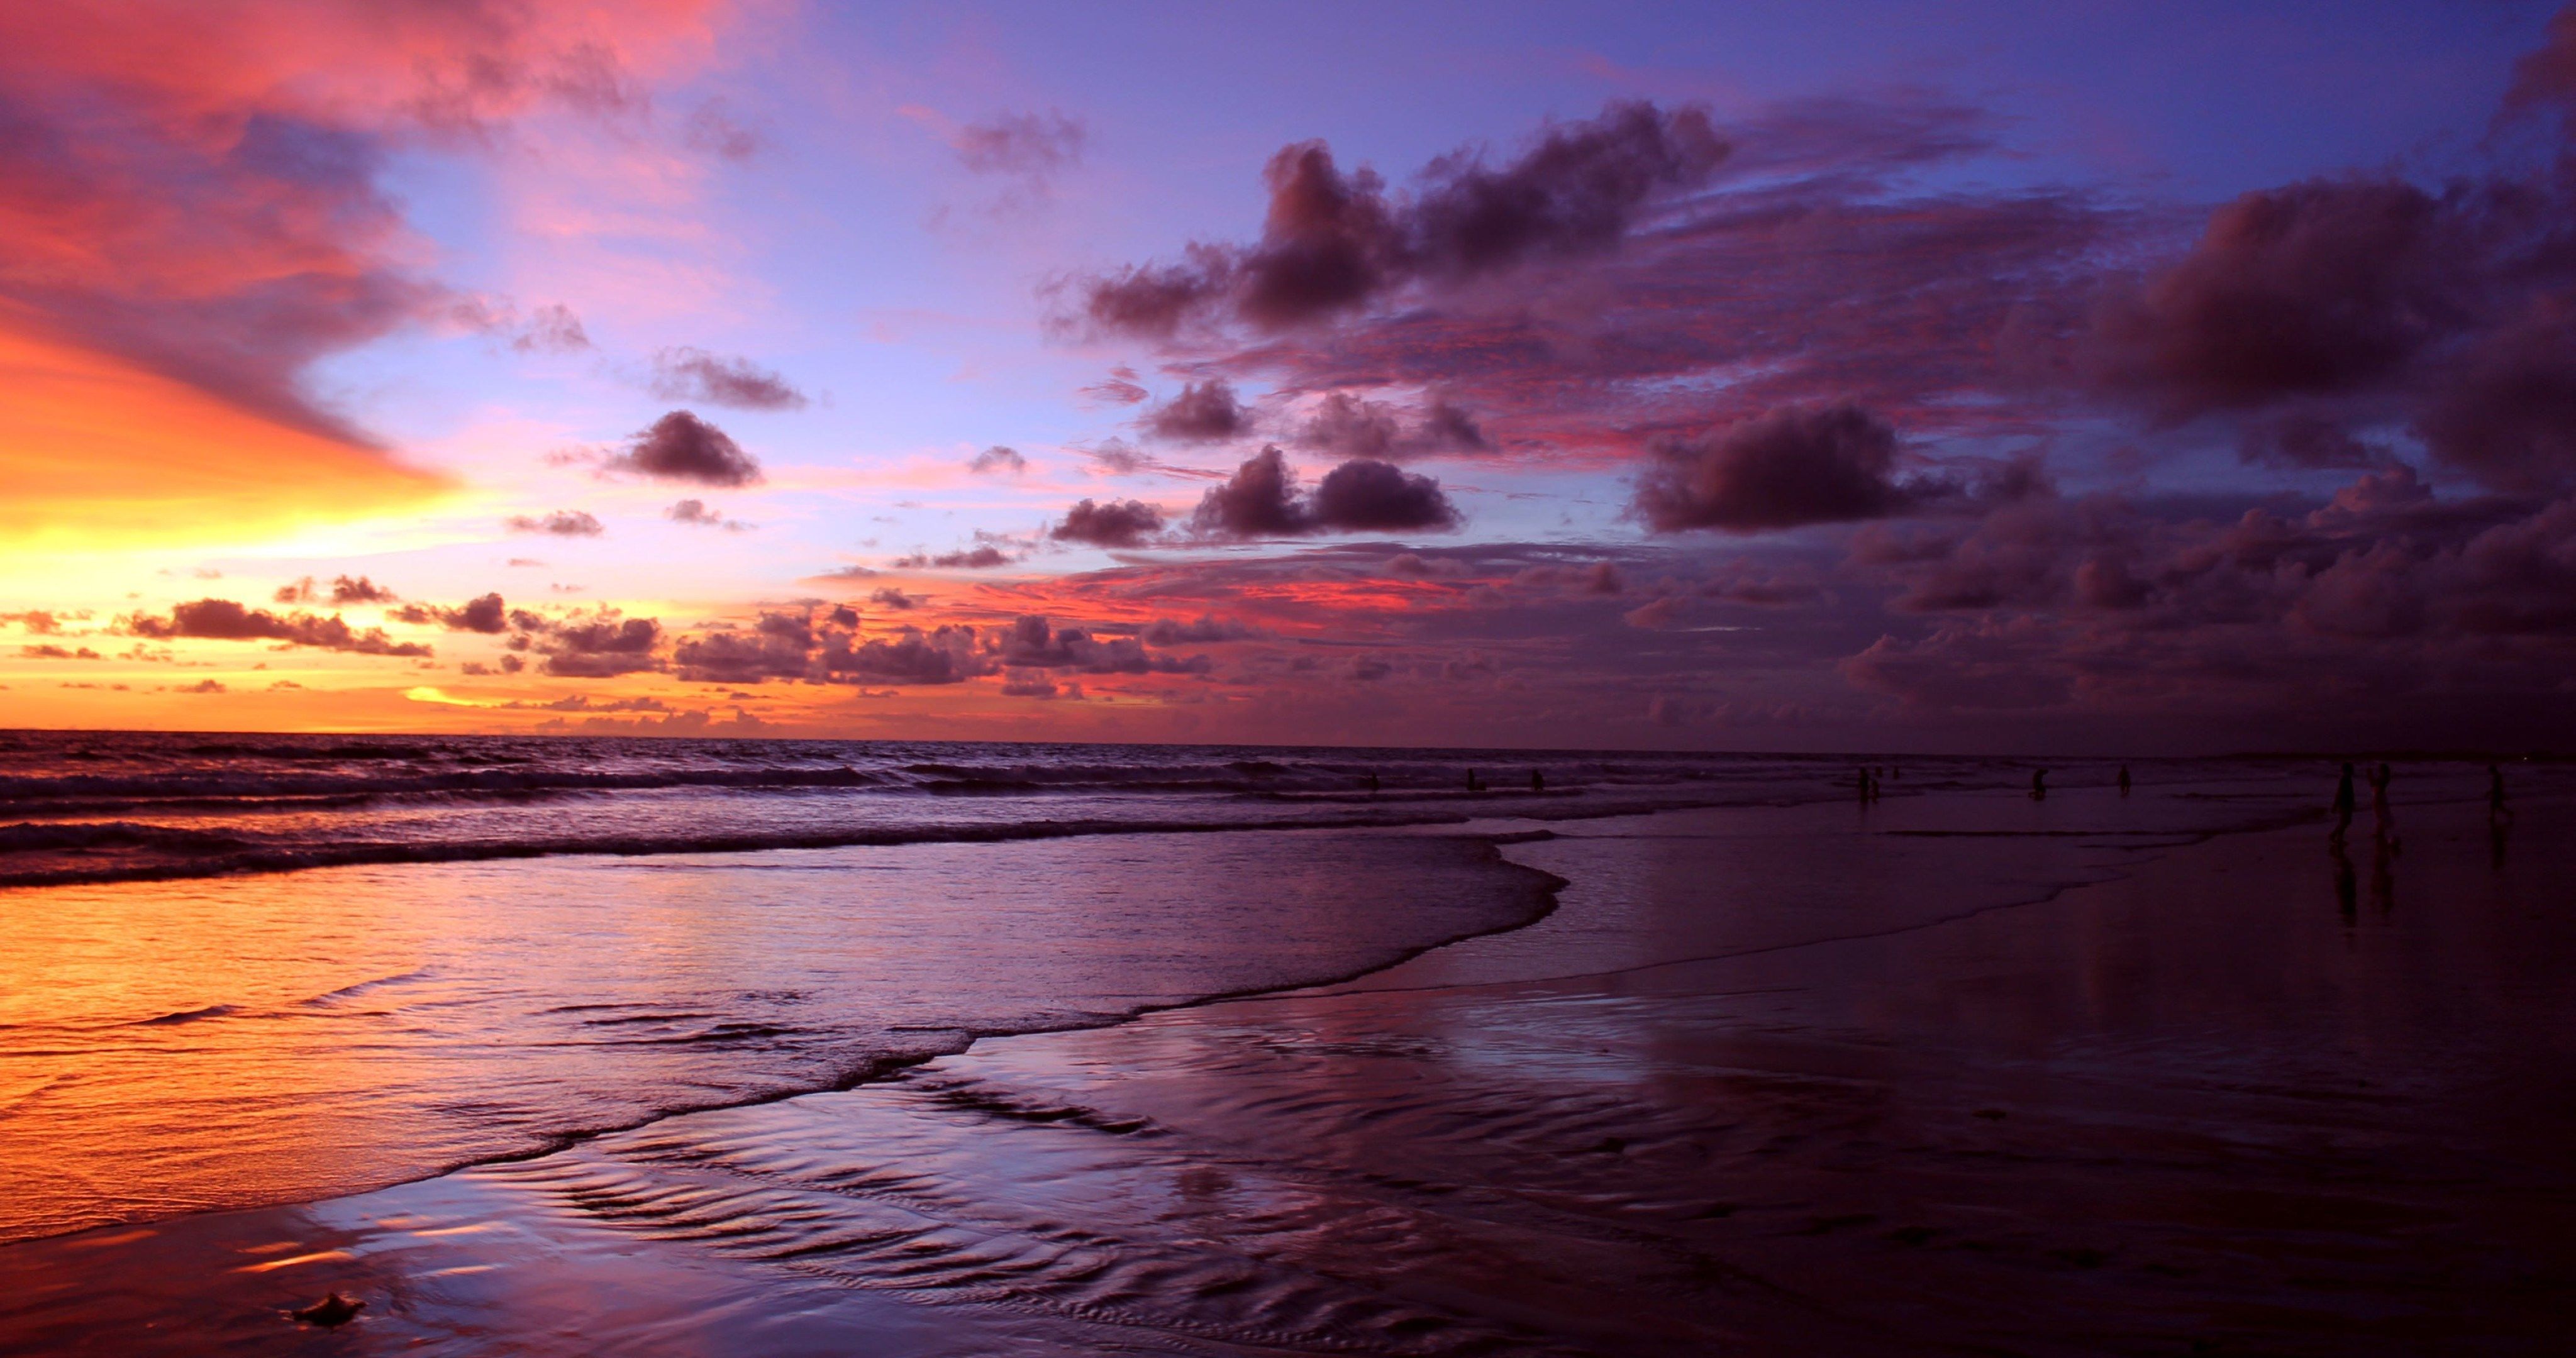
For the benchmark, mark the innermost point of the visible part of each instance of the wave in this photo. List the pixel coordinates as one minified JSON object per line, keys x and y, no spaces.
{"x":291,"y":857}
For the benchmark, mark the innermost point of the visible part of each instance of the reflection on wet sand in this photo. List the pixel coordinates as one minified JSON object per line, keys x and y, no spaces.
{"x":1765,"y":1082}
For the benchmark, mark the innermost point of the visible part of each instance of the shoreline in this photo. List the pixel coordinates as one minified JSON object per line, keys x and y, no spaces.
{"x":1042,"y":1192}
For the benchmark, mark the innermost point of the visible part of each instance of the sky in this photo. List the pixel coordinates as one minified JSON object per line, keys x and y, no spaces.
{"x":1834,"y":376}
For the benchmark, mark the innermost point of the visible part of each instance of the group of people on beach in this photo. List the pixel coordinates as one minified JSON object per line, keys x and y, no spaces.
{"x":2383,"y":819}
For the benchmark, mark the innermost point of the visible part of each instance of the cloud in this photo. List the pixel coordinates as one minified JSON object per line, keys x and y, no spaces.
{"x":1791,"y":467}
{"x":2319,"y":288}
{"x":225,"y":620}
{"x":1207,"y":628}
{"x":1334,"y":242}
{"x":696,"y":512}
{"x":2505,"y":410}
{"x":1354,"y":426}
{"x":845,"y":573}
{"x":1031,"y":643}
{"x":1117,"y":523}
{"x":486,"y":614}
{"x":1364,"y":496}
{"x":197,"y":215}
{"x":971,"y":559}
{"x":681,"y":447}
{"x":51,"y":652}
{"x":1204,"y":412}
{"x":692,"y":374}
{"x":778,"y":646}
{"x":2547,"y":75}
{"x":888,"y":596}
{"x":599,"y":644}
{"x":998,"y":459}
{"x":1031,"y":145}
{"x":1261,"y":500}
{"x":1119,"y":388}
{"x":344,"y":590}
{"x":563,"y":523}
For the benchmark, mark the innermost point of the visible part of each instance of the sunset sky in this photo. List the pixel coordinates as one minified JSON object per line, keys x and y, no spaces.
{"x":1829,"y":375}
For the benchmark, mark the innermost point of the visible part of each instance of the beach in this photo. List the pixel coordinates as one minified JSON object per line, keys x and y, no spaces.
{"x":1958,"y":1071}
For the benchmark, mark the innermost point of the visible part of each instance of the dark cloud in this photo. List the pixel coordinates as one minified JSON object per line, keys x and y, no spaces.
{"x":1117,"y":523}
{"x":1798,"y":466}
{"x":51,"y":652}
{"x":890,"y":597}
{"x":968,"y":559}
{"x":1118,"y":456}
{"x":486,"y":614}
{"x":563,"y":523}
{"x":1364,"y":496}
{"x":1028,"y":144}
{"x":1030,"y":685}
{"x":35,"y":620}
{"x":1204,"y":412}
{"x":2320,"y":288}
{"x":999,"y":459}
{"x":2505,"y":410}
{"x":1259,"y":501}
{"x":945,"y":656}
{"x":1262,"y":500}
{"x":225,"y":620}
{"x":595,"y":645}
{"x":1030,"y":643}
{"x":779,"y":646}
{"x":1354,"y":426}
{"x":681,"y":447}
{"x":2547,"y":75}
{"x":692,"y":374}
{"x":696,"y":512}
{"x":1333,"y":241}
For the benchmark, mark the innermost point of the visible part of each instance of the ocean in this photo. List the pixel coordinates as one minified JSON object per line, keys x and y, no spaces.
{"x":952,"y":1047}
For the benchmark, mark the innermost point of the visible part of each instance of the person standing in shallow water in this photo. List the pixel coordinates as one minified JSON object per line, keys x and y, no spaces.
{"x":2039,"y":785}
{"x":2124,"y":780}
{"x":2343,"y":803}
{"x":2383,"y":819}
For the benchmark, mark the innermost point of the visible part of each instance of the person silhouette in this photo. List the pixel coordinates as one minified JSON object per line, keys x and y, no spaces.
{"x":1372,"y":782}
{"x":2342,"y":808}
{"x":2124,"y":780}
{"x":2039,"y":785}
{"x":1472,"y":784}
{"x":1862,"y":783}
{"x":2383,"y":820}
{"x":1538,"y":781}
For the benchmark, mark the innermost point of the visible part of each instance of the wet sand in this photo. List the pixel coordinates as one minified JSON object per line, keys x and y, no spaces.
{"x":1946,"y":1074}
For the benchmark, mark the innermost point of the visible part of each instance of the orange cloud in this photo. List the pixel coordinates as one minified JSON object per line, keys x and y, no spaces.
{"x":190,"y":200}
{"x":99,"y":453}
